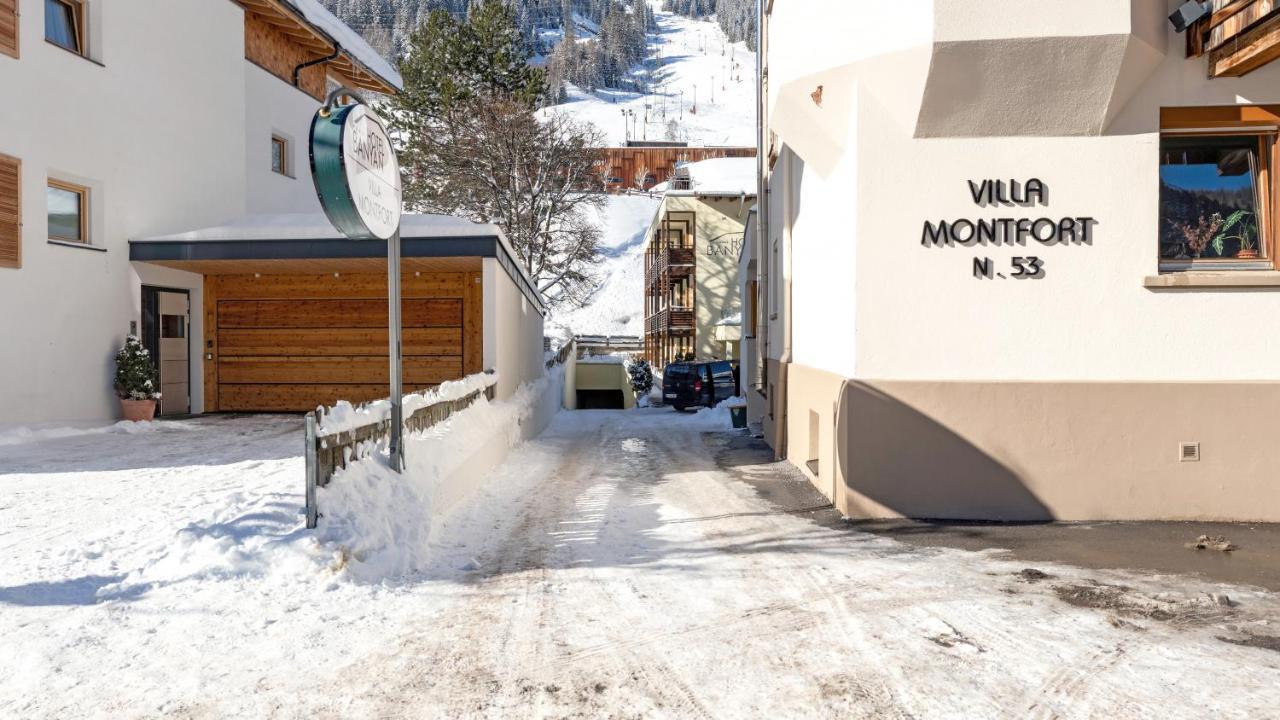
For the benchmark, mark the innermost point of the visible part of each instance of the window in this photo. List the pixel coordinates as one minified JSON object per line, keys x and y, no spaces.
{"x":68,"y":212}
{"x":279,"y":155}
{"x":64,"y":24}
{"x":1217,"y":199}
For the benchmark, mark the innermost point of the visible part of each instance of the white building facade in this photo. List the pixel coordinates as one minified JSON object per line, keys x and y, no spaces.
{"x":1014,"y":256}
{"x":139,"y":124}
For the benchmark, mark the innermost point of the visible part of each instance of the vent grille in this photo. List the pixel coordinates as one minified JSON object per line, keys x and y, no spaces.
{"x":1189,"y":452}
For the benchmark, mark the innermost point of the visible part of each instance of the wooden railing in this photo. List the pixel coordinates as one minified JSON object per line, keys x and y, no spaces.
{"x":666,"y":320}
{"x":327,"y":453}
{"x":670,"y":260}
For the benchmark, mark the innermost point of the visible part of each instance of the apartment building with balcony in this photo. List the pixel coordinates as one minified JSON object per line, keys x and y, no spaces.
{"x":1015,"y":257}
{"x":691,"y":297}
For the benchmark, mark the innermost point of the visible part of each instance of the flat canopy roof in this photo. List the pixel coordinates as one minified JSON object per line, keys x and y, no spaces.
{"x":308,"y":242}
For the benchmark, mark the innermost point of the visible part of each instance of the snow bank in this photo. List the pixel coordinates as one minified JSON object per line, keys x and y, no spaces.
{"x":380,"y":524}
{"x":724,"y":175}
{"x":344,"y":416}
{"x":375,"y":524}
{"x":20,"y":435}
{"x":617,"y":307}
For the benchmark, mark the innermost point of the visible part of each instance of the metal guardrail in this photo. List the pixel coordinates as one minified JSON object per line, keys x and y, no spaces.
{"x":329,"y":452}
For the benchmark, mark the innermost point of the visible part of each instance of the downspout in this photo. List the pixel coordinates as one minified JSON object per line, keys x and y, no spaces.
{"x":337,"y":50}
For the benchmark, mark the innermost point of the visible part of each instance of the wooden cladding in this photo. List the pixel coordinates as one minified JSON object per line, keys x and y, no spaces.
{"x":1226,"y":117}
{"x":344,"y":313}
{"x":281,"y":38}
{"x":1239,"y":36}
{"x":288,"y":343}
{"x":9,"y":27}
{"x":621,"y":166}
{"x":269,"y":47}
{"x":10,"y":212}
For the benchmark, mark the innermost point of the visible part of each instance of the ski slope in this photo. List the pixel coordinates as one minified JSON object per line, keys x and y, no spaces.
{"x":696,"y":78}
{"x":617,"y":308}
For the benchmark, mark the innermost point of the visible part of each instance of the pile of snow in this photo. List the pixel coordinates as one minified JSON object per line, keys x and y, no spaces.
{"x":27,"y":434}
{"x":722,"y":176}
{"x":375,"y":524}
{"x":344,"y":416}
{"x":688,"y":59}
{"x":380,"y":524}
{"x":617,"y":308}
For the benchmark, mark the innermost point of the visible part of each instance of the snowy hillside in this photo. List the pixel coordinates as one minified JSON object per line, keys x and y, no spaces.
{"x":617,"y":308}
{"x":689,"y":60}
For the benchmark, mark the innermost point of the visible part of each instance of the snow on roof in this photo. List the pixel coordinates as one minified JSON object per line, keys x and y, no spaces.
{"x":730,"y":176}
{"x":729,"y":320}
{"x":316,"y":226}
{"x":349,"y":39}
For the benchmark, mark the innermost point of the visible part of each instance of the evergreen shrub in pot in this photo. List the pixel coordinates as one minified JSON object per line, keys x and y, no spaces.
{"x":137,"y":383}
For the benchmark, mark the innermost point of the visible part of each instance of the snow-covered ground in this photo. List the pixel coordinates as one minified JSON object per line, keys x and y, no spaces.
{"x":617,"y":308}
{"x":689,"y":59}
{"x":624,"y":564}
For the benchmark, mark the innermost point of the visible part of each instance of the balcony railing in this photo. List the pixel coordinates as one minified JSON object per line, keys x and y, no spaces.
{"x":676,"y":261}
{"x":669,"y":320}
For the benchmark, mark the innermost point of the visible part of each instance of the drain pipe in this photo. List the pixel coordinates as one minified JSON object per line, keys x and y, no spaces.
{"x":337,"y":50}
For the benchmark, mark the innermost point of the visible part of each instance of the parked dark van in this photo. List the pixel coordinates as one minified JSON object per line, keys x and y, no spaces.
{"x":690,"y":384}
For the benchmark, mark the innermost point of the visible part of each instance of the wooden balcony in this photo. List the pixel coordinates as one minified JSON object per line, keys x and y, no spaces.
{"x":669,"y":322}
{"x":1239,"y":36}
{"x":674,"y":262}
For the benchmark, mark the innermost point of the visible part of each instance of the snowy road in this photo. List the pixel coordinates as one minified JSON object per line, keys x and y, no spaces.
{"x":625,"y":564}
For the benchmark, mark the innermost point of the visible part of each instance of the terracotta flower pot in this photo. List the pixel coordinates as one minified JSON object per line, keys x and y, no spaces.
{"x":1247,"y":255}
{"x":138,"y":410}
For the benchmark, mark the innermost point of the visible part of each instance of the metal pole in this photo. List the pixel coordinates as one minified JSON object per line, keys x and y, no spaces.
{"x":393,"y":335}
{"x":312,"y":470}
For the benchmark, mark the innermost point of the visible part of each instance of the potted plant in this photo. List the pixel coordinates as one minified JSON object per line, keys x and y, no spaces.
{"x":136,"y":381}
{"x":1246,"y":234}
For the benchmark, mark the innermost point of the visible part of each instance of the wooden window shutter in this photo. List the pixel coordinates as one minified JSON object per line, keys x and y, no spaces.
{"x":9,"y":27}
{"x":10,"y":212}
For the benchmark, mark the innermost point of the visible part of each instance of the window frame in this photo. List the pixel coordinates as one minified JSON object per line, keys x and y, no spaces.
{"x":83,"y":192}
{"x":78,"y":22}
{"x":1262,"y":121}
{"x":283,"y":143}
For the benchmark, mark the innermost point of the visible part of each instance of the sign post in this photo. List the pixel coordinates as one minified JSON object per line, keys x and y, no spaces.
{"x":357,"y":179}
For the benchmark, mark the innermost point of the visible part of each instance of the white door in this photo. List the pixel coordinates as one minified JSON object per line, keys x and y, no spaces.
{"x":175,"y":362}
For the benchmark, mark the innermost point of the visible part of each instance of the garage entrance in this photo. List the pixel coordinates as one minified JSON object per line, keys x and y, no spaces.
{"x":288,"y":343}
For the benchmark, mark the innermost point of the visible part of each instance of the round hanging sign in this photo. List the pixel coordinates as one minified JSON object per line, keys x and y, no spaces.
{"x":356,"y":173}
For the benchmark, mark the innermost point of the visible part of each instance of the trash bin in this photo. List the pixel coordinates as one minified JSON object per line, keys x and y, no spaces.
{"x":738,"y":413}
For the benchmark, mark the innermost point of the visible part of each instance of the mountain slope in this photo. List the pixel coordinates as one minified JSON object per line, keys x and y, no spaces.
{"x":701,"y":90}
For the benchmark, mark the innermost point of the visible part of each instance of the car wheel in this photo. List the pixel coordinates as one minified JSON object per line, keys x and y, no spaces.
{"x":680,"y":408}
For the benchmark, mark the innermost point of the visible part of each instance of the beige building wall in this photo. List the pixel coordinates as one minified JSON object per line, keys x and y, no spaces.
{"x":904,"y":385}
{"x":513,"y":329}
{"x":720,"y":221}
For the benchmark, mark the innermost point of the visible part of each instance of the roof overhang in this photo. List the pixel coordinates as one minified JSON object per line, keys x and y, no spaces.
{"x":291,"y":20}
{"x":432,"y":244}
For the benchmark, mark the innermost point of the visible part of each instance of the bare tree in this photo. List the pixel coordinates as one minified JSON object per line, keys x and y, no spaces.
{"x":641,"y":176}
{"x":492,"y":160}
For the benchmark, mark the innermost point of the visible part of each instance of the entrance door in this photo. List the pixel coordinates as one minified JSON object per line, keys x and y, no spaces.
{"x":166,"y":321}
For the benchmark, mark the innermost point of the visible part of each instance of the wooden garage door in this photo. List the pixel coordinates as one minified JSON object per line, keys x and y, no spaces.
{"x":292,"y":342}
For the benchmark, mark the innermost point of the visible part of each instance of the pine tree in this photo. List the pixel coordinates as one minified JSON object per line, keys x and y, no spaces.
{"x":136,"y":377}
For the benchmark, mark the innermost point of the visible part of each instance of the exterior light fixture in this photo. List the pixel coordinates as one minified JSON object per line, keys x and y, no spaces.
{"x":1188,"y":13}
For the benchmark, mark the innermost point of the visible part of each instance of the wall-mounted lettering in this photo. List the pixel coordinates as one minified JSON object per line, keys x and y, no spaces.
{"x":1009,"y":231}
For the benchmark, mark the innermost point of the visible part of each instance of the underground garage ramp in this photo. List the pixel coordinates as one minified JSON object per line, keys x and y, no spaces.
{"x":602,"y":384}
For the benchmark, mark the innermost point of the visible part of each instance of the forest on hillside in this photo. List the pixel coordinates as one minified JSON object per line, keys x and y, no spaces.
{"x":608,"y":36}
